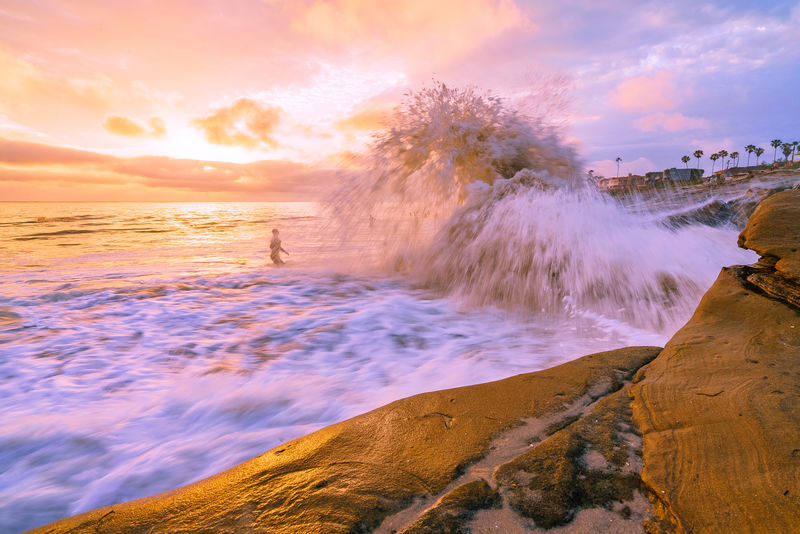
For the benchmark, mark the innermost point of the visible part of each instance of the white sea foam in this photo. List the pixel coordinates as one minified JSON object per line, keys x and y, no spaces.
{"x":116,"y":392}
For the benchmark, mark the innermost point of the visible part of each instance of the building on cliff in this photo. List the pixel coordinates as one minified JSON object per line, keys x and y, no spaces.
{"x":622,"y":183}
{"x":653,"y":178}
{"x":682,"y":175}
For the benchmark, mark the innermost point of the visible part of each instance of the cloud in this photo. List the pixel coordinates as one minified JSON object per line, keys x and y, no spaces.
{"x":246,"y":123}
{"x":26,"y":153}
{"x":671,"y":122}
{"x":412,"y":30}
{"x":128,"y":127}
{"x":157,"y":127}
{"x":371,"y":115}
{"x":325,"y":56}
{"x":645,"y":93}
{"x":19,"y":76}
{"x":124,"y":126}
{"x":34,"y":163}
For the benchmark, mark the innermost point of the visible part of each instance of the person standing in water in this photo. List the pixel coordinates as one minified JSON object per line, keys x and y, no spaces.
{"x":276,"y":248}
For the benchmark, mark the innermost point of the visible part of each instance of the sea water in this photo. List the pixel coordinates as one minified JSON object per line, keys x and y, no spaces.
{"x":144,"y":346}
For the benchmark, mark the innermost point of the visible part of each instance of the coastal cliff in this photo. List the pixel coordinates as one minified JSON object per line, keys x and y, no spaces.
{"x":719,"y":409}
{"x":702,"y":436}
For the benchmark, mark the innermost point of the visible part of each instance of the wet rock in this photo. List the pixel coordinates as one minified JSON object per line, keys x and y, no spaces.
{"x":774,"y":232}
{"x":586,"y":464}
{"x":453,"y":510}
{"x":776,"y":285}
{"x":717,"y":442}
{"x":735,"y":211}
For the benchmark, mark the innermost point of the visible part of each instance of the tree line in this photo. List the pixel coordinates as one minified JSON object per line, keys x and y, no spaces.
{"x":788,"y":149}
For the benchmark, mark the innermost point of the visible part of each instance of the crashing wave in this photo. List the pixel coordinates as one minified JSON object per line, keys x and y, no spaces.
{"x":468,"y":196}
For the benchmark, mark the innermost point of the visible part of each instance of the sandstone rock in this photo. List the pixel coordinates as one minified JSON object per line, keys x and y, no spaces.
{"x":555,"y":480}
{"x":453,"y":510}
{"x":719,"y":411}
{"x":774,"y":231}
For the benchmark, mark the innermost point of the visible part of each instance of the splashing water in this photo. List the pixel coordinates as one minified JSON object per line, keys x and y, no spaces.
{"x":475,"y":200}
{"x":564,"y":251}
{"x":440,"y":142}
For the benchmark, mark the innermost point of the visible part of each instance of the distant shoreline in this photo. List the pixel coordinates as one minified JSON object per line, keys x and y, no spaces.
{"x":639,"y":184}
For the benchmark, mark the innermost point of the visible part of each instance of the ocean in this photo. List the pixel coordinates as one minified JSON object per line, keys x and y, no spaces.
{"x":144,"y":346}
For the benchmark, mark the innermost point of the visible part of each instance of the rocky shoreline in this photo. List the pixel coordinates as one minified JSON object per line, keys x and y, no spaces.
{"x":700,"y":436}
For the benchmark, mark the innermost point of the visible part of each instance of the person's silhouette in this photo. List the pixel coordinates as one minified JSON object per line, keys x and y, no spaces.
{"x":276,"y":248}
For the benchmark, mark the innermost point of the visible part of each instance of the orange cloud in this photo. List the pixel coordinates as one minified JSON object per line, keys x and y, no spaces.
{"x":157,"y":127}
{"x":373,"y":115}
{"x":25,"y":166}
{"x":245,"y":123}
{"x":671,"y":122}
{"x":125,"y":126}
{"x":656,"y":92}
{"x":19,"y":76}
{"x":369,"y":119}
{"x":412,"y":28}
{"x":66,"y":107}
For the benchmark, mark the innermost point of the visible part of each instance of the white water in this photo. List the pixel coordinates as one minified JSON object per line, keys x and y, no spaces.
{"x":565,"y":251}
{"x":133,"y":362}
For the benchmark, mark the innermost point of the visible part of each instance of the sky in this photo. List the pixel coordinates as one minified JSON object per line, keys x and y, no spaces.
{"x":266,"y":100}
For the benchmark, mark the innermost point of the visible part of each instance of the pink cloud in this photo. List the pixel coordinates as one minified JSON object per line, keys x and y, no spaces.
{"x":413,"y":29}
{"x":671,"y":122}
{"x":27,"y":153}
{"x":656,"y":92}
{"x":23,"y":163}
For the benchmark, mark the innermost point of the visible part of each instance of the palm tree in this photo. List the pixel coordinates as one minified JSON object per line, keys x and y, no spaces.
{"x":735,"y":156}
{"x":722,"y":154}
{"x":787,"y":149}
{"x":618,"y":160}
{"x":713,"y":158}
{"x":686,"y":159}
{"x":698,"y":154}
{"x":749,"y":149}
{"x":758,"y":152}
{"x":775,"y":144}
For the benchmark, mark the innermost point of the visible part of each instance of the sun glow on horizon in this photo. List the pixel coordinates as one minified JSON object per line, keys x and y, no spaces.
{"x":310,"y":128}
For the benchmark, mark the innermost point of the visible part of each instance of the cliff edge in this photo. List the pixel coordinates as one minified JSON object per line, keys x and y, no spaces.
{"x":719,"y":409}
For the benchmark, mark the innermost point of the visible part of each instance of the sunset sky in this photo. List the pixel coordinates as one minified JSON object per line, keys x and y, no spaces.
{"x":262,"y":100}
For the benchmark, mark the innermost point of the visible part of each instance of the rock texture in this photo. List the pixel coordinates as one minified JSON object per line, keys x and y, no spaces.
{"x":592,"y":463}
{"x":774,"y":232}
{"x":703,"y":438}
{"x":719,"y":409}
